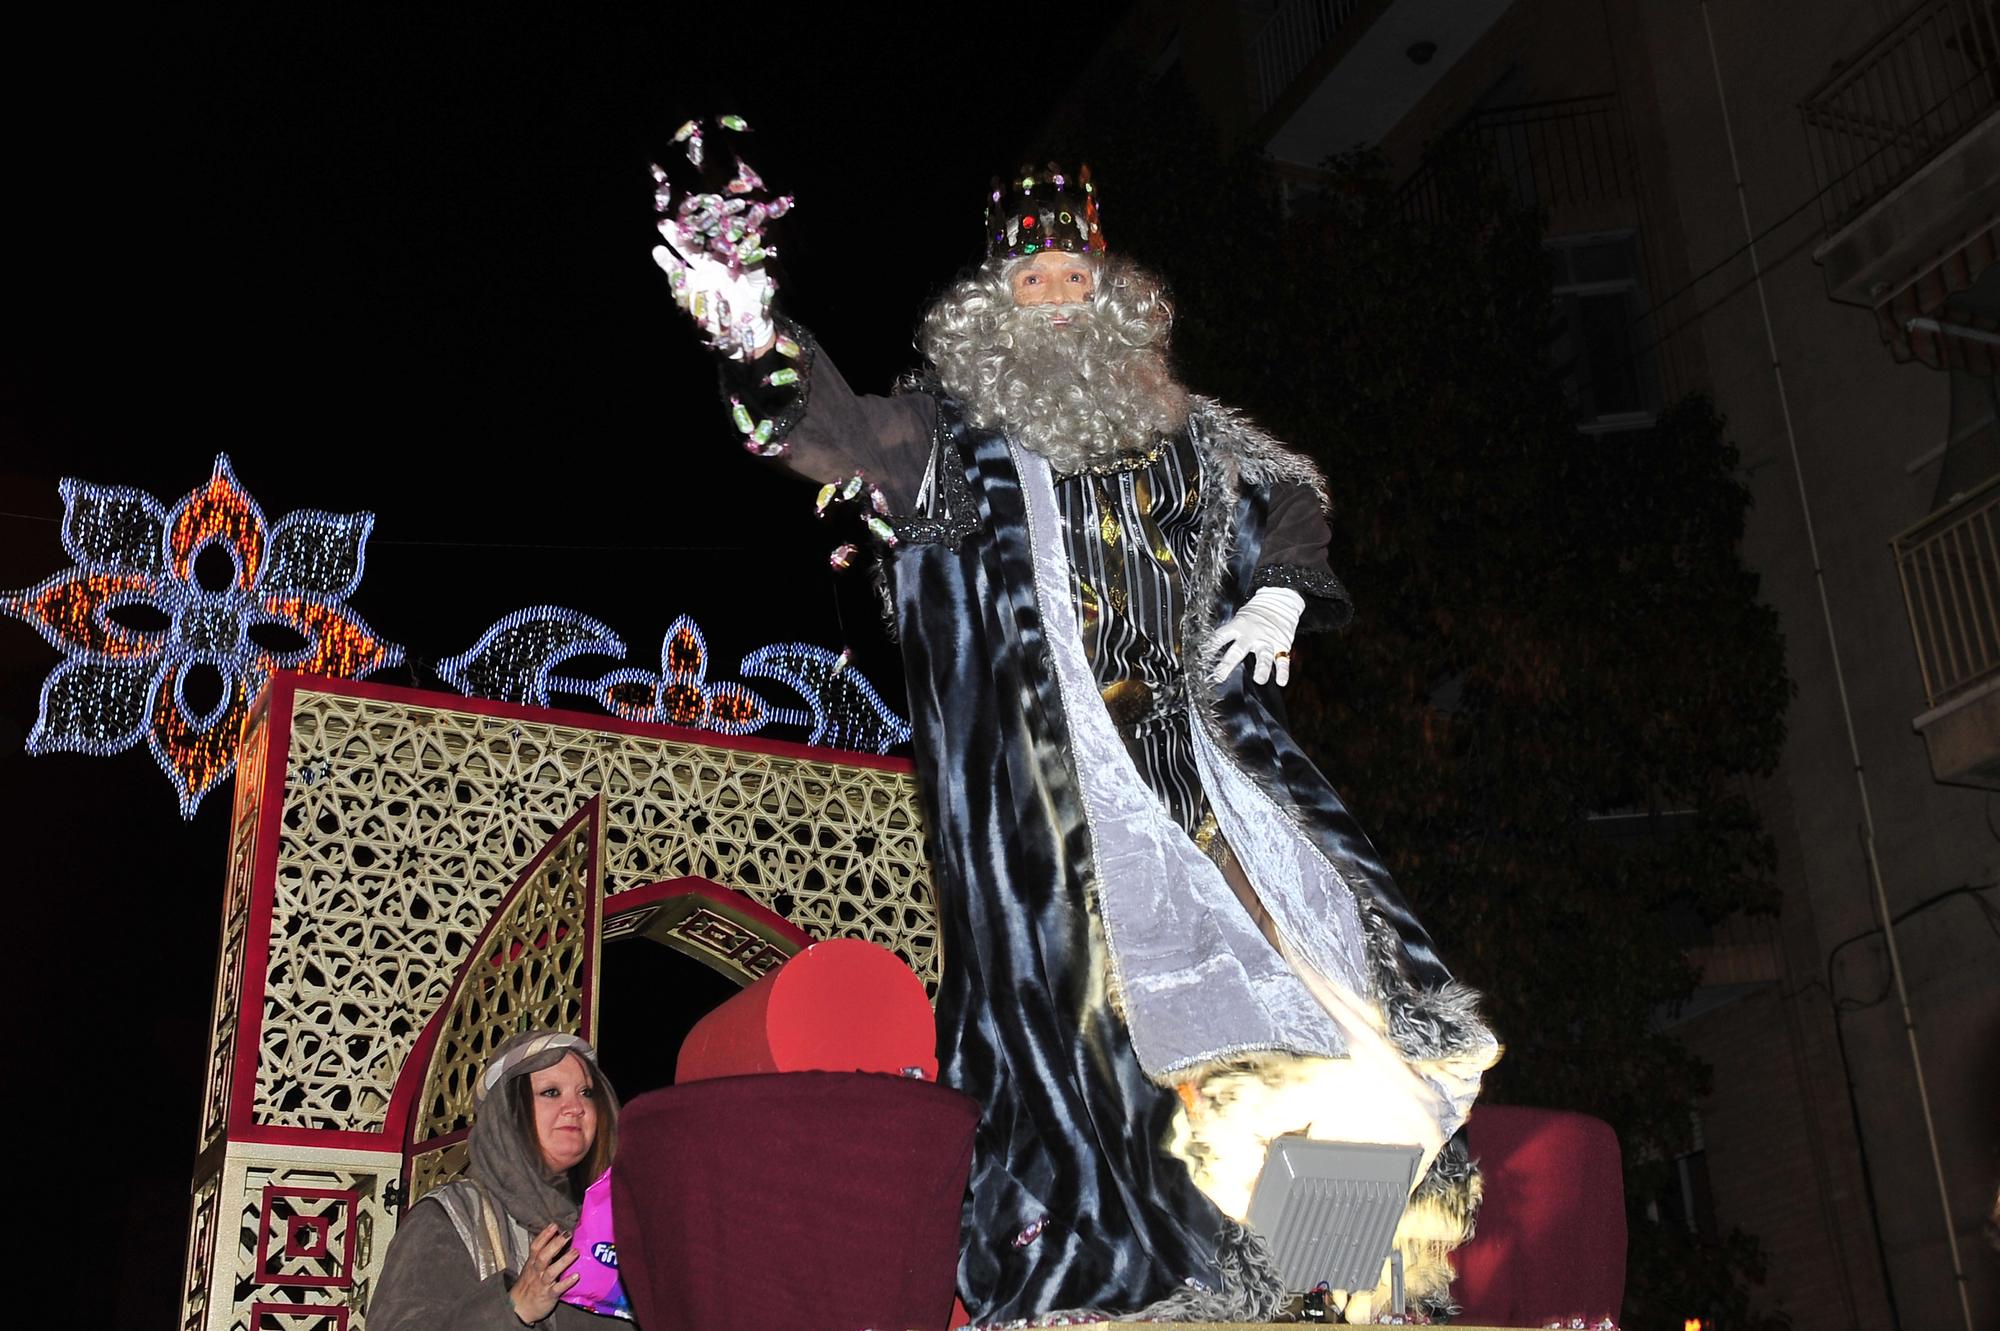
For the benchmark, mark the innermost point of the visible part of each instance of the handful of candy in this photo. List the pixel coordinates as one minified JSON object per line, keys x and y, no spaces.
{"x":597,"y":1289}
{"x":713,"y":248}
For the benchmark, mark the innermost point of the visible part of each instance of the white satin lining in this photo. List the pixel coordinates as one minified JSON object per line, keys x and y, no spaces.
{"x":1200,"y":982}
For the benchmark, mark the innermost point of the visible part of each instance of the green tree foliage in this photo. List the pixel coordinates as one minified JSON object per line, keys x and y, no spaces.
{"x":1551,"y":625}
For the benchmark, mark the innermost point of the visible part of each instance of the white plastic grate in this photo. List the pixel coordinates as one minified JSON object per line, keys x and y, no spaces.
{"x":1330,"y":1209}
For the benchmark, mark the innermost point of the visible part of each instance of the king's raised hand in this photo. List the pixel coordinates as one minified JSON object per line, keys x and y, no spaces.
{"x":733,"y":309}
{"x":713,"y":248}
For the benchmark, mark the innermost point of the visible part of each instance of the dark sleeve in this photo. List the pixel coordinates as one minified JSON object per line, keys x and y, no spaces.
{"x":1294,"y":556}
{"x":793,"y":404}
{"x":428,"y":1282}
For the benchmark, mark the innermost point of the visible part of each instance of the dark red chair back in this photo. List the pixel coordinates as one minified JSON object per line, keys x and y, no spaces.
{"x":799,"y":1199}
{"x":1551,"y":1236}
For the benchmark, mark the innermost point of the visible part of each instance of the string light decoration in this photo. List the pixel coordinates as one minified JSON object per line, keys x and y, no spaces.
{"x":846,"y":711}
{"x":517,"y":659}
{"x":136,"y":558}
{"x":680,"y":694}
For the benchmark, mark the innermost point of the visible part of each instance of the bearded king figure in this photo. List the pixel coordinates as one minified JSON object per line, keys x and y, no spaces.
{"x":1166,"y":941}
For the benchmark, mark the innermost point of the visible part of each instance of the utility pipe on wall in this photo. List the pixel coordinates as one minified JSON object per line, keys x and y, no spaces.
{"x":1840,"y":682}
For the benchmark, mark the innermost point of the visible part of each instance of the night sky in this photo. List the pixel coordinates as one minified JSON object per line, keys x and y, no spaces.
{"x":400,"y":264}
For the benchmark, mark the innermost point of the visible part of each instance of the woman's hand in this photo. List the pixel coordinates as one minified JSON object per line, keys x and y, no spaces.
{"x":542,"y":1282}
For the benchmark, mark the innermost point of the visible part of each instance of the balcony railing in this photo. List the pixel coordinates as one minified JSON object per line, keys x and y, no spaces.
{"x":1572,"y":158}
{"x":1950,"y":567}
{"x":1902,"y":100}
{"x":1550,"y":154}
{"x":1288,"y":41}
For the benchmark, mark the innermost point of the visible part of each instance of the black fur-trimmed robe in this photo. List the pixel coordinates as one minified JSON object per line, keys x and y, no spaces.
{"x":1074,"y":997}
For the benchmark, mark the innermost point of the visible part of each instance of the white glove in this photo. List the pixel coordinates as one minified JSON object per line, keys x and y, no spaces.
{"x":1263,"y":627}
{"x":733,"y":309}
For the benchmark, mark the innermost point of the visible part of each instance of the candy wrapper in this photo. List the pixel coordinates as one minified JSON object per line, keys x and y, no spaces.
{"x":597,"y":1289}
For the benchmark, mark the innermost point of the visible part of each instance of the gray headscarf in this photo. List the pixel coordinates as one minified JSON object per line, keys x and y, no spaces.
{"x":505,"y":1159}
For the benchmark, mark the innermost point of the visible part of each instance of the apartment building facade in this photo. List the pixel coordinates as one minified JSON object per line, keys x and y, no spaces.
{"x":1793,"y":207}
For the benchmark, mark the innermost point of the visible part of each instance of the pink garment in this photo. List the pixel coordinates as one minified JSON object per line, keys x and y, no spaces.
{"x":597,"y":1289}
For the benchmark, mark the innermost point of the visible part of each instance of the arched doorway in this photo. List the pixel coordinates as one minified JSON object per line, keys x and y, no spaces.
{"x":538,"y":963}
{"x":670,"y":953}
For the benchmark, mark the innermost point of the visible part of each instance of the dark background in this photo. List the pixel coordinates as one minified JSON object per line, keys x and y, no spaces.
{"x":399,"y":262}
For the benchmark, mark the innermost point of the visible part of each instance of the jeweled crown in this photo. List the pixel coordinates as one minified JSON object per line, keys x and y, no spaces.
{"x":1043,"y":208}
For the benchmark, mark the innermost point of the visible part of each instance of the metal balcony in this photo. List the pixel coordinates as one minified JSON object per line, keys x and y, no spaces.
{"x":1905,"y":147}
{"x":1290,"y":40}
{"x":1900,"y":102}
{"x":1740,"y":950}
{"x":1950,"y":569}
{"x":1327,"y":76}
{"x":1556,"y":156}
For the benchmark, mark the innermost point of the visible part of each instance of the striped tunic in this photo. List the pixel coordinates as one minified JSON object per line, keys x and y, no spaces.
{"x":1130,"y":536}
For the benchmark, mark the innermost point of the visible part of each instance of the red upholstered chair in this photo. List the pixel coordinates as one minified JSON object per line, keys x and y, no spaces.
{"x":799,"y":1199}
{"x":1551,"y":1237}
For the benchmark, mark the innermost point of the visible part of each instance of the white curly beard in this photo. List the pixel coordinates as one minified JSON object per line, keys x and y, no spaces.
{"x":1087,"y":385}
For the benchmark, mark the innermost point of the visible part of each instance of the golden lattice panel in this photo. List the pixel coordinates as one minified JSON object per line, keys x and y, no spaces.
{"x":403,"y":825}
{"x":288,"y":1238}
{"x":200,"y":1264}
{"x":530,"y":973}
{"x":434,"y":1169}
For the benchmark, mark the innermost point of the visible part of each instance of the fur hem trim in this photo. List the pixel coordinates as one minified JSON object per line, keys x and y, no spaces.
{"x":1251,"y":1288}
{"x":1424,"y":1024}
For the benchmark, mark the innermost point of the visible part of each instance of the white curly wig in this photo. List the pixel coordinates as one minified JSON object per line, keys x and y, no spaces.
{"x":1095,"y":393}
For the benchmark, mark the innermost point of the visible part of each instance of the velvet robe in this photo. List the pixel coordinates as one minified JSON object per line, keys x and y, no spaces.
{"x":1073,"y":1200}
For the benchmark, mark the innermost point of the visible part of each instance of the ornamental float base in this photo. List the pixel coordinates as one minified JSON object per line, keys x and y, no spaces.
{"x":414,"y":876}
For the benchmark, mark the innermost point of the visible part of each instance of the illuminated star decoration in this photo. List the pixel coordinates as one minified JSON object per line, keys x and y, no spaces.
{"x":134,"y":622}
{"x":516,"y":660}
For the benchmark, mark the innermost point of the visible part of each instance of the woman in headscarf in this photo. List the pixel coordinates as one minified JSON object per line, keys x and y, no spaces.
{"x":492,"y":1251}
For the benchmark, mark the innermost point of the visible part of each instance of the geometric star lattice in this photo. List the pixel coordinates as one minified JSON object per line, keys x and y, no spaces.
{"x":135,"y":622}
{"x":404,"y":825}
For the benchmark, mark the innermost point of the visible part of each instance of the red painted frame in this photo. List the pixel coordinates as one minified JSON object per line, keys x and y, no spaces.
{"x":347,"y":1197}
{"x":340,"y":1312}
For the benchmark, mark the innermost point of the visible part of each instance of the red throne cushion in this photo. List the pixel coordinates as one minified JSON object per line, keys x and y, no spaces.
{"x":1551,"y":1237}
{"x":801,"y":1199}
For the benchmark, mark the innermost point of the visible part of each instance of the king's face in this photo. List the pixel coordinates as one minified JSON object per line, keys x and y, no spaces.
{"x":1053,"y":277}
